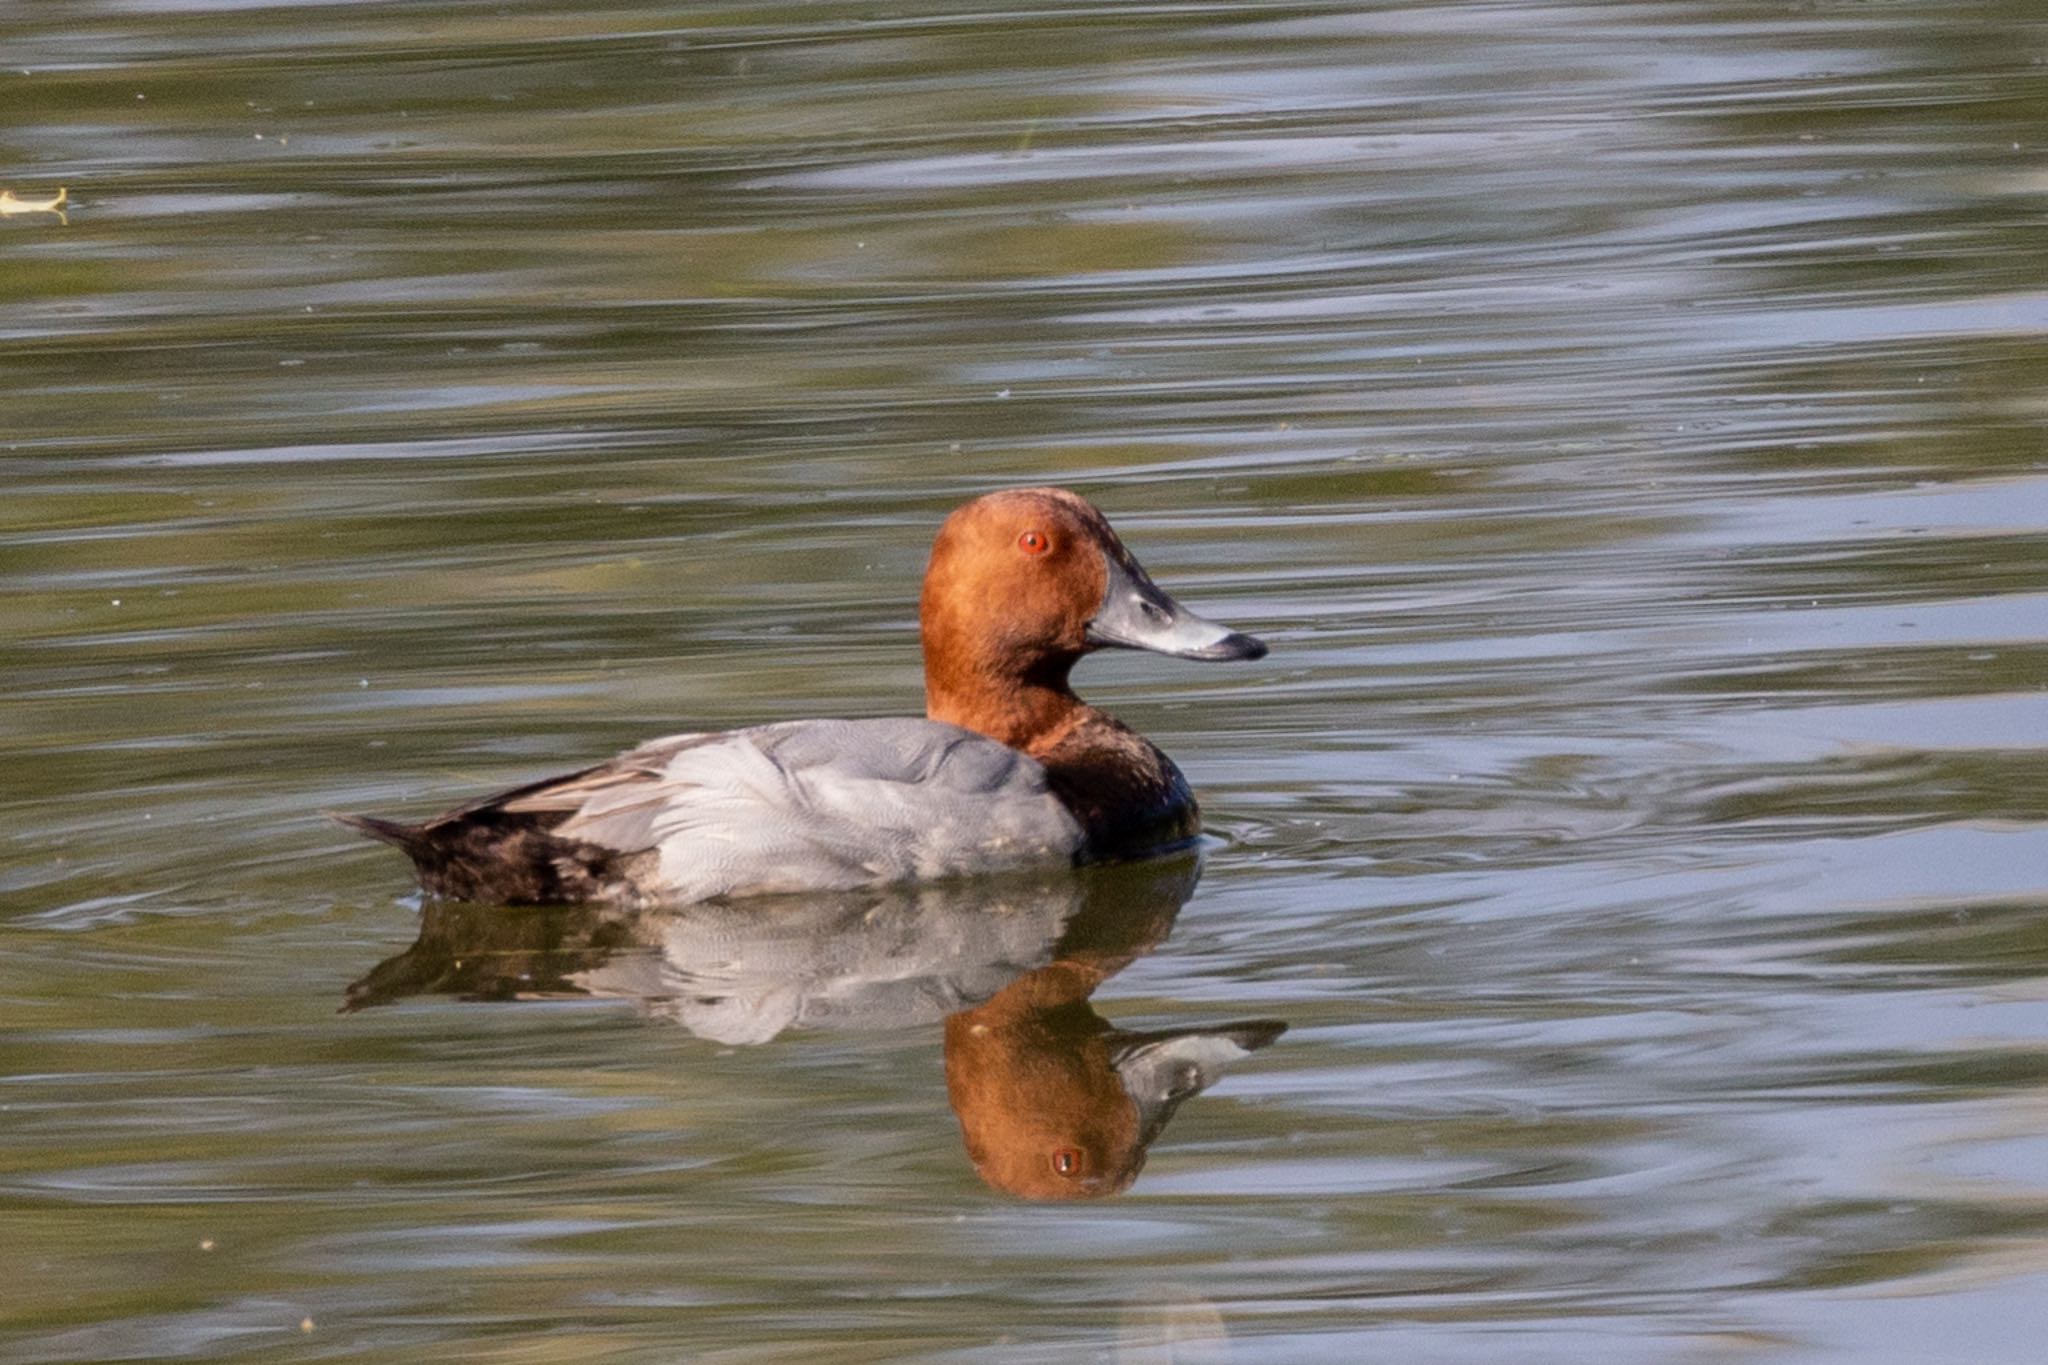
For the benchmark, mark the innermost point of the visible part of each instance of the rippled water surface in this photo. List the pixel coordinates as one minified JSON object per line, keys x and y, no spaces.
{"x":1624,"y":420}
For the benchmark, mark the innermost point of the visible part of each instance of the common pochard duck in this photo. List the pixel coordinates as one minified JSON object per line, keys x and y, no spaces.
{"x":1007,"y":769}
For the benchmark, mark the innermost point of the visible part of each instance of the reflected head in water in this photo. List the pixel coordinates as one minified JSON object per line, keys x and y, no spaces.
{"x":1052,"y":1101}
{"x":1055,"y":1103}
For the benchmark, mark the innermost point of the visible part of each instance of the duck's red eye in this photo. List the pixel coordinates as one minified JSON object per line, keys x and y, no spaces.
{"x":1067,"y":1161}
{"x":1033,"y":543}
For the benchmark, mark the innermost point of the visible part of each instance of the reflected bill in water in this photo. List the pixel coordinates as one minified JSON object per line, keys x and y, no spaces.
{"x":1054,"y":1102}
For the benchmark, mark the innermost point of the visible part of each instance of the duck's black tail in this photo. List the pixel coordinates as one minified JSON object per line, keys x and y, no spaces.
{"x":408,"y":837}
{"x":482,"y":853}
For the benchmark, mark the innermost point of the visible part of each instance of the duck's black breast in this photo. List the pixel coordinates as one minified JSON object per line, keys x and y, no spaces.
{"x":1128,"y":796}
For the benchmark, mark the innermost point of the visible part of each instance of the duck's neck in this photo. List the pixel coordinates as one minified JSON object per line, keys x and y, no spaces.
{"x":1031,"y":713}
{"x":1126,"y":795}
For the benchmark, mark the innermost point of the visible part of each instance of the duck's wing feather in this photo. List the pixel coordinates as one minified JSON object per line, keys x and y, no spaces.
{"x":809,"y":805}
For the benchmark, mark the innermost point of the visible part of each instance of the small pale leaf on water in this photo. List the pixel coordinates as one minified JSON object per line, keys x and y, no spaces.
{"x":10,"y":205}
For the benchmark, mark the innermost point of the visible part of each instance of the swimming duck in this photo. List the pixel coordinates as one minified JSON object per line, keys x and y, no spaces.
{"x":1008,"y":768}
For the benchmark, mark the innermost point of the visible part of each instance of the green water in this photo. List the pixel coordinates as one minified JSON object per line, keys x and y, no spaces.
{"x":1625,"y":422}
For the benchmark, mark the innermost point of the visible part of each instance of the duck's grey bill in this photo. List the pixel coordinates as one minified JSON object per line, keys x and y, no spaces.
{"x":1135,"y":614}
{"x":1159,"y":1070}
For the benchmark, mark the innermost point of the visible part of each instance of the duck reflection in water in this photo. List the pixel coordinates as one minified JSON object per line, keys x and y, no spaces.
{"x":1053,"y":1101}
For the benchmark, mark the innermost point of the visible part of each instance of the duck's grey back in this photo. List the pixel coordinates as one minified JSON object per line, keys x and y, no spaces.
{"x":813,"y":805}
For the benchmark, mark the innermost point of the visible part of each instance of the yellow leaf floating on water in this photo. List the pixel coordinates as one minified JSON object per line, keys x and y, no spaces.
{"x":9,"y":205}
